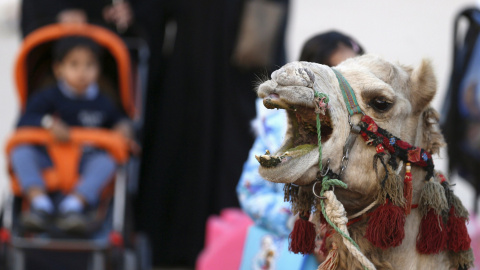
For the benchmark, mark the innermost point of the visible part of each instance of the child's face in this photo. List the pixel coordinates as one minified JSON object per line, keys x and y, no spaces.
{"x":79,"y":68}
{"x":341,"y":53}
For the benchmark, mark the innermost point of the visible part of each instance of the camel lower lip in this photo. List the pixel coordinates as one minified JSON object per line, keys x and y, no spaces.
{"x":267,"y":160}
{"x":273,"y":101}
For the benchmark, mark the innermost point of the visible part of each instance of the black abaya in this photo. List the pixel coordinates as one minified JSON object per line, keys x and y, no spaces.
{"x":38,"y":13}
{"x":197,"y":126}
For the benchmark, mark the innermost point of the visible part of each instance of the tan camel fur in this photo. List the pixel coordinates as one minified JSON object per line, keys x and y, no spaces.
{"x":398,"y":98}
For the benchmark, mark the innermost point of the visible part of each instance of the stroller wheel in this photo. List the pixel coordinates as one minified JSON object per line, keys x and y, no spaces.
{"x":116,"y":259}
{"x":15,"y":259}
{"x":143,"y":252}
{"x":97,"y":261}
{"x":3,"y":255}
{"x":122,"y":259}
{"x":129,"y":260}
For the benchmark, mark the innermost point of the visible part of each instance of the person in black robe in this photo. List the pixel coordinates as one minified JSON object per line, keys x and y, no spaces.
{"x":38,"y":13}
{"x":198,"y":108}
{"x":197,"y":126}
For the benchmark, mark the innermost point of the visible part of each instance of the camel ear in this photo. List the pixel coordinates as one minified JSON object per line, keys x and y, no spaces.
{"x":424,"y":86}
{"x":432,"y":137}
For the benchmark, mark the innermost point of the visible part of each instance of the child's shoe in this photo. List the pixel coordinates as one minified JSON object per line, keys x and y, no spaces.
{"x":35,"y":220}
{"x":71,"y":218}
{"x":38,"y":218}
{"x":72,"y":223}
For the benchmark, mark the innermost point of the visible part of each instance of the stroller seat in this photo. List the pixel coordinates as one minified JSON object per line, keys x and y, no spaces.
{"x":66,"y":156}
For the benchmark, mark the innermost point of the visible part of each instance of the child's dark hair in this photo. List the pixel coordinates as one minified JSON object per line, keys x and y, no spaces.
{"x":319,"y":48}
{"x":63,"y":46}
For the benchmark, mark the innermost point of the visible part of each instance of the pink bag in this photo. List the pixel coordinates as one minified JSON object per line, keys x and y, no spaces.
{"x":473,"y":228}
{"x":224,"y":240}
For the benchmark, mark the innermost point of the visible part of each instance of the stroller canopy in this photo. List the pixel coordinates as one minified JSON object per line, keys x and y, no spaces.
{"x":35,"y":58}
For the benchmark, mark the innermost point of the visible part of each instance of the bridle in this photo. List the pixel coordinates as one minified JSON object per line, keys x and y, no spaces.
{"x":353,"y":108}
{"x":373,"y":135}
{"x":386,"y":222}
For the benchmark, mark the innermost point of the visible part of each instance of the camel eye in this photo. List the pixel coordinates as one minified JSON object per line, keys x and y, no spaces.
{"x":380,"y":104}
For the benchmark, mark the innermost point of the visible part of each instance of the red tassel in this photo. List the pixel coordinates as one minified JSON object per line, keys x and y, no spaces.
{"x":302,"y":237}
{"x":323,"y":247}
{"x":458,"y":238}
{"x":386,"y":226}
{"x":331,"y":262}
{"x":408,"y":189}
{"x":432,"y":237}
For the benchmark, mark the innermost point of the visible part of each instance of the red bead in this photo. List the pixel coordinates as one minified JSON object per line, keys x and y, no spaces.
{"x":380,"y":148}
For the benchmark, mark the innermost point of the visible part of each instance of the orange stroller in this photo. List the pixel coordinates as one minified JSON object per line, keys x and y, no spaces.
{"x":112,"y":243}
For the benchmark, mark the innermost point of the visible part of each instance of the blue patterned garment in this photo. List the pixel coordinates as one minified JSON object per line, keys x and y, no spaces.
{"x":263,"y":201}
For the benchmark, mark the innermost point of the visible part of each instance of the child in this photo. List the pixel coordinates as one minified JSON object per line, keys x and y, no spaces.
{"x":264,"y":201}
{"x":74,"y":101}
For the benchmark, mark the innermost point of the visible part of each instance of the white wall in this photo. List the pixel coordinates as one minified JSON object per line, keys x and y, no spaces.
{"x":404,"y":31}
{"x":9,"y":43}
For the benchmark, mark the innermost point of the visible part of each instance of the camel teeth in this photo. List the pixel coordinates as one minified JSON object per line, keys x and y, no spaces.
{"x":266,"y":157}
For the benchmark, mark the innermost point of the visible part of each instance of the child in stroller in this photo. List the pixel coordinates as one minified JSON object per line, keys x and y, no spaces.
{"x":74,"y":101}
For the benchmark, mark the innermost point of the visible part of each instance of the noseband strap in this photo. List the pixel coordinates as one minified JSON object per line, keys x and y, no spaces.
{"x":353,"y":108}
{"x":348,"y":94}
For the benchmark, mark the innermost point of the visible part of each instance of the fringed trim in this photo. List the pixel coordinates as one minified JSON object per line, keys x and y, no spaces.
{"x":393,"y":188}
{"x":452,"y":199}
{"x":391,"y":183}
{"x":432,"y":197}
{"x":302,"y":237}
{"x":456,"y":218}
{"x":386,"y":226}
{"x":290,"y":192}
{"x":462,"y":259}
{"x":331,"y":262}
{"x":304,"y":200}
{"x":458,"y":238}
{"x":432,"y":236}
{"x":408,"y":188}
{"x":460,"y":210}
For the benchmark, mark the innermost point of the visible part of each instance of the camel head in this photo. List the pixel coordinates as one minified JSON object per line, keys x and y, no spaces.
{"x":396,"y":124}
{"x":396,"y":97}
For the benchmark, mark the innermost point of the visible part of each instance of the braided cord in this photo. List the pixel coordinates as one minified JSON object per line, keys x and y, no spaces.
{"x":335,"y":213}
{"x":319,"y":133}
{"x":320,"y":169}
{"x":327,"y":183}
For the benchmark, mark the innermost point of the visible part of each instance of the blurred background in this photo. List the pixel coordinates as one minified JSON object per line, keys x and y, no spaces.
{"x":403,"y":31}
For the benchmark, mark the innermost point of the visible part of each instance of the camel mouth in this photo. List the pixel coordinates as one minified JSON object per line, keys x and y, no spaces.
{"x":301,"y":136}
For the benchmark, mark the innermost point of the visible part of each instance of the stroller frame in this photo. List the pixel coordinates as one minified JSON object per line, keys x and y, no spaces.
{"x":121,"y":248}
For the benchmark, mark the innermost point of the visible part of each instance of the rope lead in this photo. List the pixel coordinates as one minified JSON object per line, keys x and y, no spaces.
{"x":321,"y":103}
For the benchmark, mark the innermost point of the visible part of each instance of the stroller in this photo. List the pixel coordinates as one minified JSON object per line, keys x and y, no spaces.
{"x":111,"y":243}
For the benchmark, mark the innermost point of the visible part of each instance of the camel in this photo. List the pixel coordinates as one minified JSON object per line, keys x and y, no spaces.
{"x":396,"y":99}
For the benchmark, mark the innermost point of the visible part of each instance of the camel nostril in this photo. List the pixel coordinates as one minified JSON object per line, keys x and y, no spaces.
{"x":273,"y":96}
{"x":310,"y":75}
